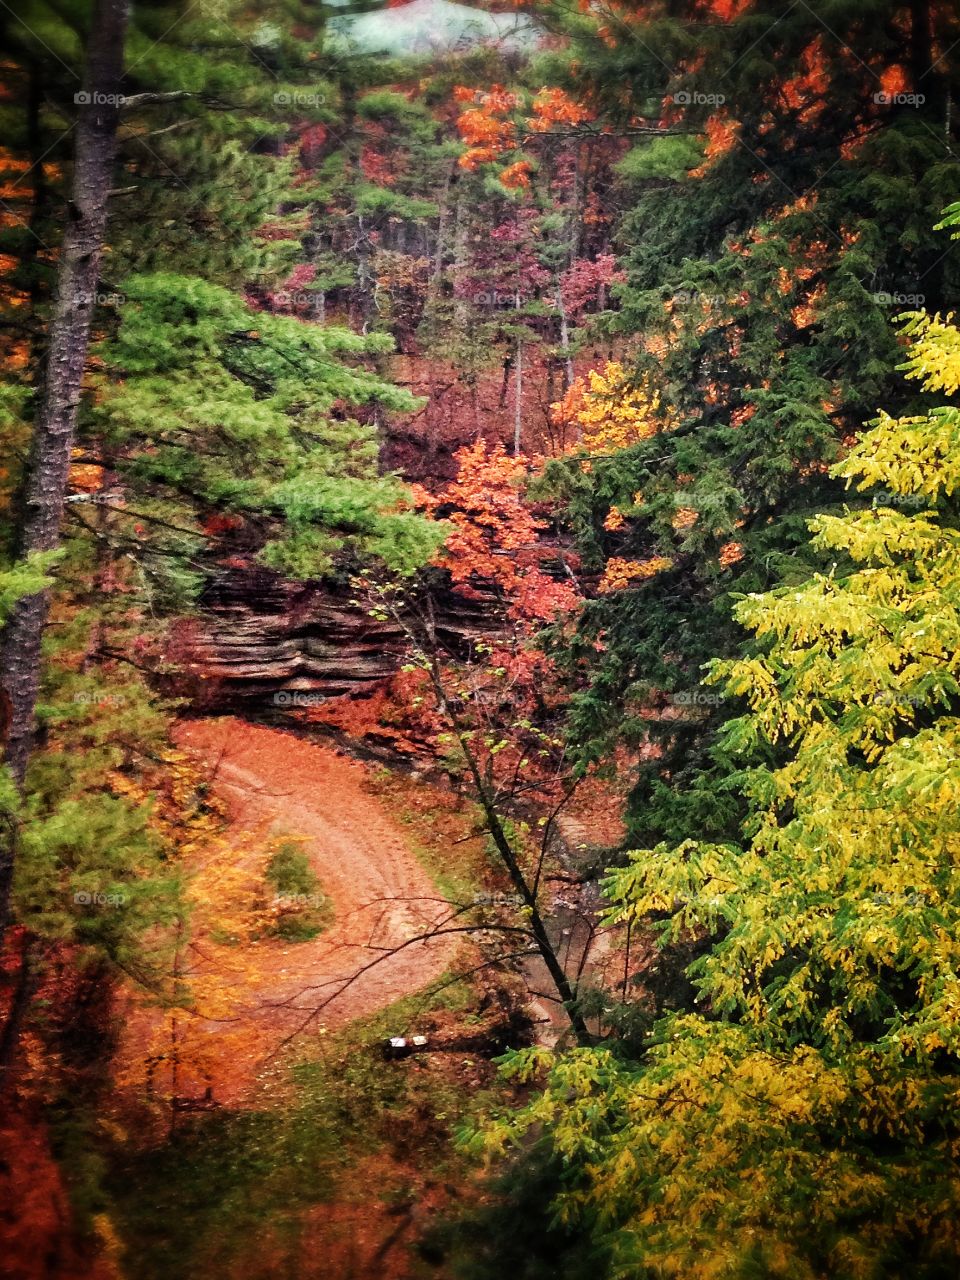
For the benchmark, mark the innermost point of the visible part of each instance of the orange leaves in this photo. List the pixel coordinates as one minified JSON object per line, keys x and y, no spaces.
{"x":721,"y":137}
{"x":685,"y":518}
{"x":806,"y":312}
{"x":485,"y":127}
{"x":494,"y":538}
{"x":730,"y":554}
{"x":730,"y":10}
{"x":488,"y":513}
{"x":516,"y":175}
{"x":619,"y":573}
{"x":490,"y":125}
{"x":85,"y":477}
{"x":553,"y":106}
{"x":739,"y":416}
{"x":805,"y":92}
{"x":894,"y":80}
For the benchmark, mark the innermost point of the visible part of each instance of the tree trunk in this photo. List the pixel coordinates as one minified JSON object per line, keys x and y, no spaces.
{"x":25,"y":986}
{"x":510,"y":862}
{"x":517,"y":389}
{"x":77,"y":278}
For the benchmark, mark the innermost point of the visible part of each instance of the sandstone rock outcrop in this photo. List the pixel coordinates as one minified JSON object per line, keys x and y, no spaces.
{"x":259,"y":635}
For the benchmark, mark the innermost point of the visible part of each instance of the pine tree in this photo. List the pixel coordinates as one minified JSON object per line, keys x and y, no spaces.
{"x":802,"y":1121}
{"x":200,"y":414}
{"x":772,"y":236}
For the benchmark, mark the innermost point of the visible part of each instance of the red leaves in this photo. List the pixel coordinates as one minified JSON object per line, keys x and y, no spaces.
{"x":582,"y":284}
{"x":494,"y":537}
{"x":215,"y":525}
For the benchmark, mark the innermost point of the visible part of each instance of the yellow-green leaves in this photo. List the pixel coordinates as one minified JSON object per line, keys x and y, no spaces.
{"x":805,"y":1122}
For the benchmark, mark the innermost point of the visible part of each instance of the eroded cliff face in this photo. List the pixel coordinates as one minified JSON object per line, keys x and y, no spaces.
{"x":260,"y":638}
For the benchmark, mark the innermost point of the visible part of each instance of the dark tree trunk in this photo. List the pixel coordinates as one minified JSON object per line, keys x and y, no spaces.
{"x":77,"y":278}
{"x":25,"y":985}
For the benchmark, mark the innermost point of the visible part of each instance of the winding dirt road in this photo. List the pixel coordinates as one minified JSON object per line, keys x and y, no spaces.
{"x":273,"y":784}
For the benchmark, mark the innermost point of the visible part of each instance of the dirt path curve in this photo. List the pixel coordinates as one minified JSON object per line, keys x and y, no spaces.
{"x":274,"y":783}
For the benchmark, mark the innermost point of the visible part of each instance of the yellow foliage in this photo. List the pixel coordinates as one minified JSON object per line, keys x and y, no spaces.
{"x":619,"y":573}
{"x":611,"y":410}
{"x":806,"y":1124}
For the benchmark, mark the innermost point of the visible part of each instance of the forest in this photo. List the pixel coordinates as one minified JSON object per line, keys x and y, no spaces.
{"x":479,"y":639}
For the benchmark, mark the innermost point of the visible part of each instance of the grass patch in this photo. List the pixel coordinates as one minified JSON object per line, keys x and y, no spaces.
{"x":303,"y":909}
{"x":445,"y":835}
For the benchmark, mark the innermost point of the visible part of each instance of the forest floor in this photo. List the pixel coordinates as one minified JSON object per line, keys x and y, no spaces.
{"x":336,"y":1160}
{"x":275,"y":785}
{"x":340,"y":1166}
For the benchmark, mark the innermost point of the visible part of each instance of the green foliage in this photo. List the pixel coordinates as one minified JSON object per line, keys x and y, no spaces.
{"x":803,"y":1121}
{"x":760,"y":292}
{"x":211,"y":407}
{"x":24,"y":578}
{"x":670,"y":157}
{"x":306,"y":910}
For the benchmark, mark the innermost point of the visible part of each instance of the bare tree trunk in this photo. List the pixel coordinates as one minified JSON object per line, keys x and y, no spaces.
{"x":518,"y":400}
{"x":424,"y":646}
{"x":461,"y":309}
{"x":565,"y":341}
{"x":77,"y":278}
{"x":517,"y":389}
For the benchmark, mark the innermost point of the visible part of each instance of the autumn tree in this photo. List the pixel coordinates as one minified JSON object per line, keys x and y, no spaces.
{"x":489,"y":702}
{"x":192,"y":415}
{"x":762,"y":275}
{"x":800,"y":1118}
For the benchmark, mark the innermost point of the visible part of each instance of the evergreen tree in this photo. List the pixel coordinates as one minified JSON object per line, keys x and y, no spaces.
{"x":194,"y":415}
{"x":773,"y":234}
{"x":802,"y":1121}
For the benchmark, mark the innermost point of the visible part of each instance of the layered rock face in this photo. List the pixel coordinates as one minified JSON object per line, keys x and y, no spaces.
{"x":260,"y":637}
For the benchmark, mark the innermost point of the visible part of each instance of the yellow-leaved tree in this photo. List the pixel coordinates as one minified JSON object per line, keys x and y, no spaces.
{"x":804,"y":1120}
{"x":608,"y":411}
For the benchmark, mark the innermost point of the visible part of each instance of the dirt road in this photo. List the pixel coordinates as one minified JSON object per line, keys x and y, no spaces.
{"x":274,"y":783}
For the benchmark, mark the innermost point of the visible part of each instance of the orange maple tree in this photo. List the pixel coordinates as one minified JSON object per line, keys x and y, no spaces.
{"x":495,"y":538}
{"x":493,"y":125}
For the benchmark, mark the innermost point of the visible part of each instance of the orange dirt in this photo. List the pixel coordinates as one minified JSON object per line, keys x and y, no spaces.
{"x":274,"y":783}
